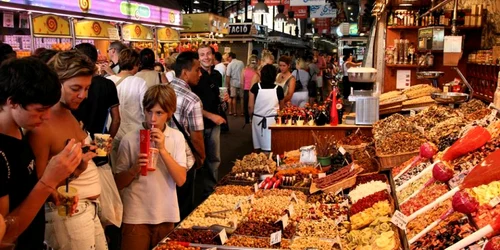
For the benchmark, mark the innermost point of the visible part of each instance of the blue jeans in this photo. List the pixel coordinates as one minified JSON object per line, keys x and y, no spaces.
{"x":210,"y":169}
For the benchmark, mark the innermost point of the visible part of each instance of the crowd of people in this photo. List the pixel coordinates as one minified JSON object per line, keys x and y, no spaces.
{"x":53,"y":104}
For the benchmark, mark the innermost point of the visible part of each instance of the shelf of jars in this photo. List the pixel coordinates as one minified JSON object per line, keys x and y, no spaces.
{"x":483,"y":78}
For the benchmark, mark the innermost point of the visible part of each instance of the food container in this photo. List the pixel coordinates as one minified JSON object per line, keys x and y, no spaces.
{"x":391,"y":161}
{"x":362,"y":74}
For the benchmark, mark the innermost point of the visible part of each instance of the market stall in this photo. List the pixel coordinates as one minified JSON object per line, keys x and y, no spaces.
{"x":203,"y":28}
{"x":168,"y":42}
{"x":16,"y":32}
{"x":286,"y":44}
{"x":243,"y":38}
{"x":98,"y":33}
{"x":51,"y":32}
{"x":138,"y":36}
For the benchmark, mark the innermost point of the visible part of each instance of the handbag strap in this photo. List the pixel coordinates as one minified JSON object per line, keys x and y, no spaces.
{"x":186,"y":137}
{"x":121,"y":80}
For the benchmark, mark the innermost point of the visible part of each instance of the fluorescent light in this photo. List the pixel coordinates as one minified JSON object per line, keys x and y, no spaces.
{"x":196,"y":2}
{"x":11,"y":8}
{"x":406,"y":4}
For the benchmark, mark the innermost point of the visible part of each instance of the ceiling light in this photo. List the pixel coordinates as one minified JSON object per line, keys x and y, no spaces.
{"x":406,"y":4}
{"x":261,"y":8}
{"x":291,"y":21}
{"x":196,"y":2}
{"x":280,"y":17}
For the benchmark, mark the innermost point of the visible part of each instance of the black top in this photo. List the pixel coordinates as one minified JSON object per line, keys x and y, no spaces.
{"x":208,"y":91}
{"x":17,"y":179}
{"x":93,"y":111}
{"x":279,"y":90}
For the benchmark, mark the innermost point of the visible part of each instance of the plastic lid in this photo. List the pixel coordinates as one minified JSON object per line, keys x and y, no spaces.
{"x":361,"y":70}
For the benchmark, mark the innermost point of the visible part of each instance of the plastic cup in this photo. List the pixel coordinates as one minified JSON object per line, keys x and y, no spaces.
{"x":222,"y":92}
{"x":66,"y":199}
{"x":153,"y":159}
{"x":101,"y":141}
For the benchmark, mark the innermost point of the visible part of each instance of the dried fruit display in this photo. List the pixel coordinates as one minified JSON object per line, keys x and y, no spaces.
{"x":411,"y":188}
{"x":172,"y":245}
{"x":379,"y":235}
{"x":258,"y":163}
{"x":326,"y":198}
{"x":194,"y":236}
{"x":471,"y":106}
{"x":445,"y":234}
{"x":425,"y":197}
{"x":429,"y":117}
{"x":397,"y":170}
{"x":412,"y":172}
{"x":320,"y":211}
{"x":355,"y":139}
{"x":372,"y":177}
{"x":234,"y":190}
{"x":485,"y":215}
{"x":301,"y":243}
{"x":367,"y":216}
{"x":261,"y":229}
{"x":422,"y":221}
{"x":253,"y":242}
{"x":485,"y":193}
{"x":479,"y":114}
{"x":399,"y":142}
{"x":449,"y":128}
{"x":368,"y":202}
{"x":392,"y":124}
{"x":366,"y":189}
{"x":473,"y":158}
{"x":324,"y":228}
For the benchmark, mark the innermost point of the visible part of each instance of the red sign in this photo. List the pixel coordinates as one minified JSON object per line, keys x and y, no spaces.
{"x":322,"y":25}
{"x":300,"y":12}
{"x":272,"y":2}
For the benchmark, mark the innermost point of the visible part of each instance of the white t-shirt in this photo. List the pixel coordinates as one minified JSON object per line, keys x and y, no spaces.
{"x":150,"y":199}
{"x":170,"y":75}
{"x":234,"y":72}
{"x":151,"y":77}
{"x":130,"y":93}
{"x":221,"y":68}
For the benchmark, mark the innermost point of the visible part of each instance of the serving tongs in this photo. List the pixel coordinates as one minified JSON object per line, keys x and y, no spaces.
{"x":216,"y":214}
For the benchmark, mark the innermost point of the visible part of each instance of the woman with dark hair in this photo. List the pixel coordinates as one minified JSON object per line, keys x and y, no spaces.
{"x":265,"y":100}
{"x":147,"y":69}
{"x":285,"y":79}
{"x":159,"y":67}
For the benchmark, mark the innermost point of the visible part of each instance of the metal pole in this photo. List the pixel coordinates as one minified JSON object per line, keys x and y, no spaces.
{"x":274,"y":14}
{"x":454,"y":21}
{"x":72,"y":31}
{"x":32,"y":33}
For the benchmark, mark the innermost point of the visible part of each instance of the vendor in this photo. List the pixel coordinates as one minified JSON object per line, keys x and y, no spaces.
{"x":348,"y":63}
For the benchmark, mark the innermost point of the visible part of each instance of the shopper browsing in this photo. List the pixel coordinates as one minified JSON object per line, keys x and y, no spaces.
{"x":114,"y":55}
{"x":285,"y":79}
{"x":83,"y":229}
{"x":28,"y":88}
{"x":300,"y":93}
{"x":150,"y":206}
{"x":147,"y":69}
{"x":233,"y":75}
{"x":247,"y":75}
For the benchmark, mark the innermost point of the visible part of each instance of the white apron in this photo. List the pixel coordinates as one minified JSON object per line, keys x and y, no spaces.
{"x":265,"y":109}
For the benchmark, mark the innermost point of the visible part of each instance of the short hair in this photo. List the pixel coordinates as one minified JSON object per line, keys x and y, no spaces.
{"x":170,"y":61}
{"x":301,"y":63}
{"x":202,"y":46}
{"x":285,"y":59}
{"x":162,"y":95}
{"x":88,"y":50}
{"x":267,"y":55}
{"x":147,"y":59}
{"x":268,"y":74}
{"x":6,"y":52}
{"x":118,"y":46}
{"x":70,"y":64}
{"x":218,"y":56}
{"x":28,"y":81}
{"x":39,"y":50}
{"x":128,"y":59}
{"x":232,"y":55}
{"x":46,"y":55}
{"x":185,"y":61}
{"x":158,"y":64}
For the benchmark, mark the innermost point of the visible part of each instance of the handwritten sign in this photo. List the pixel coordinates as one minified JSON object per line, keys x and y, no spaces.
{"x":294,"y":197}
{"x":400,"y":220}
{"x":223,"y":236}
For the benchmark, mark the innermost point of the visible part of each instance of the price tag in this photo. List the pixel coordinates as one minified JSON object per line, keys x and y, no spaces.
{"x":256,"y":187}
{"x":493,"y":115}
{"x":294,"y":197}
{"x":251,"y":198}
{"x":311,"y":248}
{"x":291,"y":210}
{"x":342,"y":150}
{"x":400,"y":220}
{"x":338,"y":220}
{"x":420,"y":129}
{"x":278,"y":160}
{"x":495,"y":201}
{"x":284,"y":221}
{"x":321,"y":175}
{"x":338,"y":191}
{"x":276,"y":238}
{"x":268,"y":170}
{"x":223,"y":236}
{"x":412,"y":112}
{"x":389,"y":188}
{"x":237,"y":206}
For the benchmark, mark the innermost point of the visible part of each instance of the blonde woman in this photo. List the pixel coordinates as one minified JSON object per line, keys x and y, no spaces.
{"x":300,"y":94}
{"x":267,"y":59}
{"x":247,"y":77}
{"x":285,"y":79}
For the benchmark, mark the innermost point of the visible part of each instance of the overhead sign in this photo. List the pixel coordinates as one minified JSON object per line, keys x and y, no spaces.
{"x":51,"y":25}
{"x":95,"y":29}
{"x":205,"y":22}
{"x":125,"y":9}
{"x":136,"y":32}
{"x":300,"y":12}
{"x":167,"y":34}
{"x":240,"y":29}
{"x":272,"y":2}
{"x":323,"y":11}
{"x":307,"y":2}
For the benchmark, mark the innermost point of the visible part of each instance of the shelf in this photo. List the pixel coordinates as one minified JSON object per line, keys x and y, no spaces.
{"x":403,"y":66}
{"x":404,"y":27}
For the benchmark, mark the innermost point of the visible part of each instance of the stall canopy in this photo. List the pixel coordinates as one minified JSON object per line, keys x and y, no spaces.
{"x":205,"y":23}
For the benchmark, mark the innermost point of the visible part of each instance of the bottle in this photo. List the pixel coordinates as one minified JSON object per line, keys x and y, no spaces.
{"x":496,"y":96}
{"x":153,"y":154}
{"x":391,"y":17}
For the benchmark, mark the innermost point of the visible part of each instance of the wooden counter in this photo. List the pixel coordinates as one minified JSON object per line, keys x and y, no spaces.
{"x":287,"y":138}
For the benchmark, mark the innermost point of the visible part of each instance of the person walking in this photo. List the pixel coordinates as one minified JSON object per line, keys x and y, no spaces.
{"x":247,"y":75}
{"x":233,"y":75}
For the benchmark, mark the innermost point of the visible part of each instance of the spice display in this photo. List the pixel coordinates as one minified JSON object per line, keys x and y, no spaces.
{"x":422,"y":221}
{"x":367,"y":216}
{"x":172,"y":245}
{"x":366,"y":189}
{"x":471,"y":106}
{"x":355,"y":139}
{"x":445,"y":234}
{"x":449,"y":128}
{"x":390,"y":125}
{"x":234,"y":190}
{"x":301,"y":243}
{"x":253,"y":242}
{"x":417,"y":184}
{"x":261,"y":229}
{"x":258,"y":163}
{"x":412,"y":172}
{"x":425,"y":197}
{"x":194,"y":236}
{"x":379,"y":235}
{"x":400,"y":142}
{"x":368,"y":202}
{"x":431,"y":116}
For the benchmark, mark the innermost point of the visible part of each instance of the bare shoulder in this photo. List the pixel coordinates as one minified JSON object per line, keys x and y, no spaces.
{"x":42,"y":133}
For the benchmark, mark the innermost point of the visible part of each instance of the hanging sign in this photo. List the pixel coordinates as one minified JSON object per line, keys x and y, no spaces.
{"x":300,"y":12}
{"x":136,"y":32}
{"x":167,"y":34}
{"x":93,"y":29}
{"x":50,"y":25}
{"x":240,"y":28}
{"x":271,"y":2}
{"x":307,"y":2}
{"x":323,"y":11}
{"x":8,"y":20}
{"x":24,"y":22}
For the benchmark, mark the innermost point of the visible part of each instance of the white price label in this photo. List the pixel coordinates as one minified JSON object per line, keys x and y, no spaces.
{"x":237,"y":206}
{"x":294,"y":197}
{"x":235,"y":222}
{"x":321,"y":175}
{"x":284,"y":220}
{"x":400,"y":220}
{"x":412,"y":112}
{"x":421,"y":129}
{"x":342,"y":150}
{"x":495,"y":201}
{"x":268,"y":170}
{"x":251,"y":198}
{"x":291,"y":210}
{"x":276,"y":238}
{"x":223,"y":236}
{"x":493,"y":115}
{"x":338,"y":191}
{"x":212,"y":248}
{"x":256,"y":187}
{"x":278,"y":160}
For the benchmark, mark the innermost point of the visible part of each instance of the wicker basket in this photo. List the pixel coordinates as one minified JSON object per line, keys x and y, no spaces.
{"x":351,"y":148}
{"x":391,"y":161}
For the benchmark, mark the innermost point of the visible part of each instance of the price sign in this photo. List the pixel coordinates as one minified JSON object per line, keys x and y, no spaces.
{"x":493,"y":115}
{"x":251,"y":198}
{"x":495,"y":201}
{"x":321,"y":175}
{"x":412,"y":112}
{"x":291,"y":210}
{"x":276,"y":238}
{"x":342,"y":150}
{"x":278,"y":160}
{"x":294,"y":197}
{"x":237,"y":206}
{"x":400,"y":220}
{"x":256,"y":187}
{"x":338,"y":191}
{"x":235,"y":222}
{"x":420,"y":129}
{"x":223,"y":236}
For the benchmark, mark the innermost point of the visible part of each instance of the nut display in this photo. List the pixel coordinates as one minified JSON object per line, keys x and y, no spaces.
{"x":301,"y":243}
{"x":258,"y":163}
{"x":172,"y":245}
{"x":471,"y":106}
{"x":324,"y":228}
{"x":431,"y":116}
{"x":254,"y":242}
{"x":399,"y":142}
{"x":326,"y":198}
{"x":449,"y":128}
{"x":280,"y":192}
{"x":194,"y":236}
{"x":234,"y":190}
{"x":261,"y":229}
{"x":390,"y":125}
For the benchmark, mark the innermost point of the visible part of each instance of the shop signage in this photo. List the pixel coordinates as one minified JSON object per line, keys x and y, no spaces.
{"x":167,"y":34}
{"x":125,"y":9}
{"x":307,"y":2}
{"x":300,"y":12}
{"x":272,"y":2}
{"x":240,"y":29}
{"x":50,"y":25}
{"x":322,"y":25}
{"x":323,"y":11}
{"x":93,"y":29}
{"x":136,"y":32}
{"x":205,"y":22}
{"x":8,"y":20}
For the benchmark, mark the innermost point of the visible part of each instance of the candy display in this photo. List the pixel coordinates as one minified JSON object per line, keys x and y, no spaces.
{"x":368,"y":202}
{"x":418,"y":224}
{"x":258,"y":163}
{"x":367,"y":189}
{"x":448,"y":232}
{"x":410,"y":173}
{"x":425,"y":197}
{"x":414,"y":186}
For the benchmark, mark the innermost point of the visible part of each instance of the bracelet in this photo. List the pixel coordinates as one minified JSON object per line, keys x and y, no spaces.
{"x":45,"y":184}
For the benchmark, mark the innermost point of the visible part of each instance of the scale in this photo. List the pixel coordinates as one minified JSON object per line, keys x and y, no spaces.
{"x":364,"y":95}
